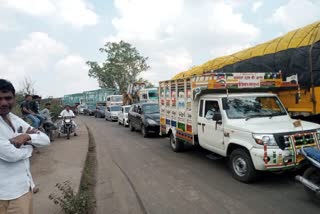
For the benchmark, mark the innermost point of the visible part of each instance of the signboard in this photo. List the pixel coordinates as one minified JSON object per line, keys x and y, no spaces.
{"x":248,"y":80}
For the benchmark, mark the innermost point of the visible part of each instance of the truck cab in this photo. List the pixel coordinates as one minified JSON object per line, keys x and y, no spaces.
{"x":253,"y":130}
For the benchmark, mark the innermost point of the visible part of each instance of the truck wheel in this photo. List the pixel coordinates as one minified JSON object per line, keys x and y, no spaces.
{"x":131,"y":127}
{"x":176,"y":145}
{"x":312,"y":174}
{"x":241,"y":166}
{"x":144,"y":132}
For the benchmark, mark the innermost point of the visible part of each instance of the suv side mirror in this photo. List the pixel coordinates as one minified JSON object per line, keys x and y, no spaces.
{"x":217,"y":116}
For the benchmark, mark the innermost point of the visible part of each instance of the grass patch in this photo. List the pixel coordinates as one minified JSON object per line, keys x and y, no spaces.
{"x":83,"y":201}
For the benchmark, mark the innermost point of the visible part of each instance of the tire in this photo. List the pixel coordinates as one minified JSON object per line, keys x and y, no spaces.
{"x":176,"y":145}
{"x":119,"y":123}
{"x":241,"y":166}
{"x":68,"y":135}
{"x":144,"y":131}
{"x":312,"y":174}
{"x":131,"y":127}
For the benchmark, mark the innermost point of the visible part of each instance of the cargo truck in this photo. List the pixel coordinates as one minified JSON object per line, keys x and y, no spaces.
{"x":238,"y":116}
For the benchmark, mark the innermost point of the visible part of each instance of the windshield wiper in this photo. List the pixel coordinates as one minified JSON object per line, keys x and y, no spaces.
{"x":253,"y":116}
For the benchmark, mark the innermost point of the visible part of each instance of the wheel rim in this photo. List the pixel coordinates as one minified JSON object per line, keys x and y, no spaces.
{"x":240,"y":166}
{"x":173,"y":142}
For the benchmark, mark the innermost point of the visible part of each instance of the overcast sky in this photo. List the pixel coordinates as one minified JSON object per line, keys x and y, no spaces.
{"x":49,"y":41}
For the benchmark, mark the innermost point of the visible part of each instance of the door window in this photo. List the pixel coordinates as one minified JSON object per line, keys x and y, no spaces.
{"x":211,"y":108}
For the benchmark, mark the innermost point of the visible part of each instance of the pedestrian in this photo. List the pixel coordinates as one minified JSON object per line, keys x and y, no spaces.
{"x":28,"y":113}
{"x":17,"y":140}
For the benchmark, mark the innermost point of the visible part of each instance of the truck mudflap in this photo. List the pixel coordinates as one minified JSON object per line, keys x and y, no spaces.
{"x":290,"y":156}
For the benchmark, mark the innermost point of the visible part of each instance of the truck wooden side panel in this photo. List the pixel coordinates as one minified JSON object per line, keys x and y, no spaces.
{"x":176,"y":108}
{"x":305,"y":104}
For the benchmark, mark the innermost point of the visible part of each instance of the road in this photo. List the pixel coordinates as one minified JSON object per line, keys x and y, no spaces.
{"x":143,"y":175}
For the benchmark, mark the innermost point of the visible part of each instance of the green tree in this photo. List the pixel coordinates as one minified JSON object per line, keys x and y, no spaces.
{"x":121,"y":67}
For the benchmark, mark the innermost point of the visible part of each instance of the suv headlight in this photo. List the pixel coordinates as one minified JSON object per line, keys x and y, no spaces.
{"x":318,"y":134}
{"x":151,"y":122}
{"x":262,"y":139}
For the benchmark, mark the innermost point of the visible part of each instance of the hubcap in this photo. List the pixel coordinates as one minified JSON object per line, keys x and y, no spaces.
{"x":240,"y":166}
{"x":173,"y":142}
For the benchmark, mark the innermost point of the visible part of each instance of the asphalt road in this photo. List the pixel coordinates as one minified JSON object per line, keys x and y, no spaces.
{"x":143,"y":175}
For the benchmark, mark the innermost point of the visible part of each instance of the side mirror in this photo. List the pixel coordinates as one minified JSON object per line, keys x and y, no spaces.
{"x":217,"y":116}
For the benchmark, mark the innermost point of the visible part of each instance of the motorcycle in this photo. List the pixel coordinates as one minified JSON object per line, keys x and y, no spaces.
{"x":66,"y":127}
{"x":311,"y":177}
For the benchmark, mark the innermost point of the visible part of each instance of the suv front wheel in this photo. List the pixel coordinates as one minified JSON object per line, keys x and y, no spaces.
{"x":241,"y":166}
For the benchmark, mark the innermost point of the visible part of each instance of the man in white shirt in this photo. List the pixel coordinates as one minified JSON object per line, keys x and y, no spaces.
{"x":67,"y":112}
{"x":17,"y":140}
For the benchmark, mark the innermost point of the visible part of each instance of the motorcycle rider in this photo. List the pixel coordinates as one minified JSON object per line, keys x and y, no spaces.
{"x":46,"y":114}
{"x":67,"y":112}
{"x":28,"y":113}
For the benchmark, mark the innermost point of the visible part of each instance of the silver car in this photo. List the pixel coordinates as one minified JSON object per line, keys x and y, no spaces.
{"x":112,"y":112}
{"x":123,"y":115}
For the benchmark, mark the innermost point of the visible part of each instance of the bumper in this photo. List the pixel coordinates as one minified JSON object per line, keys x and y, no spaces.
{"x":114,"y":117}
{"x":275,"y":159}
{"x":153,"y":128}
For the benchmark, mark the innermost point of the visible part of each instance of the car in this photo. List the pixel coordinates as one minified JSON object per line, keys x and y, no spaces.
{"x":90,"y":110}
{"x":123,"y":115}
{"x":144,"y":117}
{"x":100,"y":112}
{"x":112,"y":112}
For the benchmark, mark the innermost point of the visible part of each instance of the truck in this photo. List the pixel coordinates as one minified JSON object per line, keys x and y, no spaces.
{"x":238,"y":116}
{"x":295,"y":53}
{"x":95,"y":98}
{"x":138,"y":92}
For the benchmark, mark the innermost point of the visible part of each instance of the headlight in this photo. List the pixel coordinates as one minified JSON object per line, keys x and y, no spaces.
{"x":151,"y":122}
{"x":318,"y":134}
{"x":262,"y":139}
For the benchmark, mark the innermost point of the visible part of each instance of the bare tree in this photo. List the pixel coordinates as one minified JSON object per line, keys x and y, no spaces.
{"x":27,"y":86}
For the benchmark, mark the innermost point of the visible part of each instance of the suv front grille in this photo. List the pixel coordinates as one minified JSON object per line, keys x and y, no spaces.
{"x":298,"y":139}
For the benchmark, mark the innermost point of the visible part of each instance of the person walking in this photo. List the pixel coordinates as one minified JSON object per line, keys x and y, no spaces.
{"x":17,"y":140}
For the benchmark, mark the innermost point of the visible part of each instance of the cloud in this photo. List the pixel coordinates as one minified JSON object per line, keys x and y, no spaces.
{"x":73,"y":70}
{"x":176,"y":34}
{"x":77,"y":13}
{"x":31,"y":55}
{"x":296,"y":14}
{"x":256,"y":6}
{"x":48,"y":63}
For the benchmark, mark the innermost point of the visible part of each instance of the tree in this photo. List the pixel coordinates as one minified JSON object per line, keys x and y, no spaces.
{"x":27,"y":86}
{"x":121,"y":67}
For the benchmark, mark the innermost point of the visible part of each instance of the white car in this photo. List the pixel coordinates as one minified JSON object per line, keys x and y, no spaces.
{"x":112,"y":112}
{"x":123,"y":115}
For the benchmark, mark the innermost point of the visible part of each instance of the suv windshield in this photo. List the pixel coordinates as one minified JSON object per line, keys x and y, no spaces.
{"x":253,"y":106}
{"x":115,"y":108}
{"x":150,"y":108}
{"x":126,"y":110}
{"x":116,"y":98}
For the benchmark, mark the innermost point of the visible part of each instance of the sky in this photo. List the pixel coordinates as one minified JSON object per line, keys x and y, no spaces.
{"x":49,"y":41}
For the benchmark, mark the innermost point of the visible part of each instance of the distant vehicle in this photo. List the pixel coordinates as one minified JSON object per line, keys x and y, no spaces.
{"x":100,"y":112}
{"x":114,"y":100}
{"x":81,"y":108}
{"x":144,"y":117}
{"x":123,"y":115}
{"x":90,"y":110}
{"x":138,"y":93}
{"x":112,"y":112}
